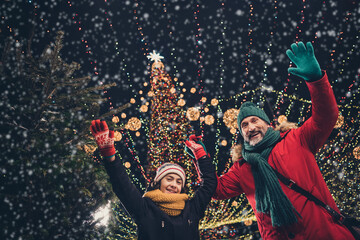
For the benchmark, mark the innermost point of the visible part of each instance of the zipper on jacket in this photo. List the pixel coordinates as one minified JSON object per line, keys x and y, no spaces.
{"x":189,"y":221}
{"x":162,"y":224}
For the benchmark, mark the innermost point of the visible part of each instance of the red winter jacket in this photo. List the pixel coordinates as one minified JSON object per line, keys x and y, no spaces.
{"x":294,"y":158}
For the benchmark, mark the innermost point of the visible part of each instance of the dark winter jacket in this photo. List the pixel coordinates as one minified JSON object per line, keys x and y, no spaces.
{"x":294,"y":158}
{"x":153,"y":223}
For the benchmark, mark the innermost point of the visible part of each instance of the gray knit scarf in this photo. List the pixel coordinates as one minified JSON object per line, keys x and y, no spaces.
{"x":269,"y":196}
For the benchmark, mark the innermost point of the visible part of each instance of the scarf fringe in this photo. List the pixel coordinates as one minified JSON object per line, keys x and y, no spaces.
{"x":269,"y":196}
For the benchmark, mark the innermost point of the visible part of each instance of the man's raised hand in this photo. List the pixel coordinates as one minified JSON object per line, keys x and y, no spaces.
{"x":303,"y":57}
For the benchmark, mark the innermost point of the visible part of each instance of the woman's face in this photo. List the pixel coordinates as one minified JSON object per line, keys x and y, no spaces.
{"x":171,"y":183}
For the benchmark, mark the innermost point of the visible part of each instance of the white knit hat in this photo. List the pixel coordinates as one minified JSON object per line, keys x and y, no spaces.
{"x":167,"y":168}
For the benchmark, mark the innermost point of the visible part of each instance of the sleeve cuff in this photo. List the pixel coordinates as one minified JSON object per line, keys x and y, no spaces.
{"x":323,"y":72}
{"x":113,"y":163}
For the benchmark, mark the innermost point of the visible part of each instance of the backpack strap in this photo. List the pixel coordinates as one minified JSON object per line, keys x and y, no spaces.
{"x":292,"y":185}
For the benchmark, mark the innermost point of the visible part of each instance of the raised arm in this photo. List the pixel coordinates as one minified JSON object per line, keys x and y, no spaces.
{"x":125,"y":190}
{"x":207,"y":172}
{"x":316,"y":129}
{"x":228,"y":184}
{"x":207,"y":189}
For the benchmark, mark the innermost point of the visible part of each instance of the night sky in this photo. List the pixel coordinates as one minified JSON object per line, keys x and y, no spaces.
{"x":221,"y":48}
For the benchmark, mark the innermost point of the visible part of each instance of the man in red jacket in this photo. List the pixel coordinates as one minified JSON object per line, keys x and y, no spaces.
{"x":281,"y":212}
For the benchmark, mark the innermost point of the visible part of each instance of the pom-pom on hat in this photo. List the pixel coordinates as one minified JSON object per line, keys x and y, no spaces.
{"x":248,"y":109}
{"x":167,"y":168}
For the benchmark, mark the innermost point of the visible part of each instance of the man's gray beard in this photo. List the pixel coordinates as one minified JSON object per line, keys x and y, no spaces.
{"x":253,"y":143}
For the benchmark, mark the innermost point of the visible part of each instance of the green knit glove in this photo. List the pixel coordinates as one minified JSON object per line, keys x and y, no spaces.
{"x":303,"y":57}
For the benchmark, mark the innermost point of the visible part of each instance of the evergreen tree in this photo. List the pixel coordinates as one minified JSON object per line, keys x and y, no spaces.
{"x":50,"y":185}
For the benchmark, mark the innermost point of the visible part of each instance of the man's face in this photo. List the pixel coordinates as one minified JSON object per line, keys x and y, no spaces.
{"x":253,"y":129}
{"x":171,"y":183}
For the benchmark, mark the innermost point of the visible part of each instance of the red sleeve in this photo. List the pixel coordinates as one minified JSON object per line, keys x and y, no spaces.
{"x":318,"y":127}
{"x":228,"y":184}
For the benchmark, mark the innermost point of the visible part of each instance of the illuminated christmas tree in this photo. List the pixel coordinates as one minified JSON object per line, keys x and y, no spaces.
{"x":168,"y":127}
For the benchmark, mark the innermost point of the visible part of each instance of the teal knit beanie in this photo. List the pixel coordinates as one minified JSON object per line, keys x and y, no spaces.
{"x":248,"y":109}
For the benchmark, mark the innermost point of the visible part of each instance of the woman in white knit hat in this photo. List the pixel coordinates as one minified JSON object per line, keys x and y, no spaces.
{"x":165,"y":210}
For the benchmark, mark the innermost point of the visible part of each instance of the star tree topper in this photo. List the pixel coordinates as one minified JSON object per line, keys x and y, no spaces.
{"x":154,"y":56}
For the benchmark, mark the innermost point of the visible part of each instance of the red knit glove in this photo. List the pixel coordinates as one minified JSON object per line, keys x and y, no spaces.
{"x":104,"y":137}
{"x":195,"y":138}
{"x":197,"y":149}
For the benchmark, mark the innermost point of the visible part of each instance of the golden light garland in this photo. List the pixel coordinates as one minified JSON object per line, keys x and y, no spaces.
{"x":223,"y":143}
{"x":203,"y":99}
{"x":248,"y":222}
{"x":123,"y":115}
{"x":89,"y":148}
{"x":282,"y":118}
{"x":134,"y":124}
{"x":230,"y":118}
{"x":151,"y":93}
{"x":127,"y":164}
{"x":233,"y":130}
{"x":115,"y":119}
{"x":157,"y":65}
{"x":144,"y":108}
{"x":339,"y":121}
{"x":117,"y":136}
{"x":209,"y":120}
{"x":181,"y":102}
{"x":214,"y":102}
{"x":193,"y":114}
{"x":193,"y":90}
{"x":132,"y":100}
{"x":356,"y":152}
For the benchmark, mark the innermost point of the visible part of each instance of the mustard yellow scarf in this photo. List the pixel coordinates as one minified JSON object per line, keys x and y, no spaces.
{"x":171,"y":204}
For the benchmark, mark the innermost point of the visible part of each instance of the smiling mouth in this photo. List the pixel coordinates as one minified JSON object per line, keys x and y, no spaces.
{"x":254,"y":135}
{"x":171,"y":191}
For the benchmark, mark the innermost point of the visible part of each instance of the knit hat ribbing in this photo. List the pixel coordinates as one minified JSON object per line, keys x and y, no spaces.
{"x":248,"y":109}
{"x":167,"y":168}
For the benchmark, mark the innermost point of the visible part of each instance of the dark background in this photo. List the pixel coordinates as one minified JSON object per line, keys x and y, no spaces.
{"x":221,"y":48}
